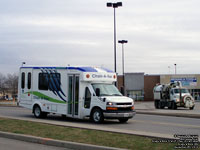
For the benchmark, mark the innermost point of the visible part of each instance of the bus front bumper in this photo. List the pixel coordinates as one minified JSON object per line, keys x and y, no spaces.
{"x":116,"y":115}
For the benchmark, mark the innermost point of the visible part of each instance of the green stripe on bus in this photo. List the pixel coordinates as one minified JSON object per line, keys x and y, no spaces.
{"x":45,"y":97}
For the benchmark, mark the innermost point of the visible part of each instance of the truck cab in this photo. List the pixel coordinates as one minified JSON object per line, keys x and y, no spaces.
{"x":182,"y":97}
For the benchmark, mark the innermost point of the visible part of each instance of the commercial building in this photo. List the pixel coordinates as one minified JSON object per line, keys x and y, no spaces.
{"x":140,"y":86}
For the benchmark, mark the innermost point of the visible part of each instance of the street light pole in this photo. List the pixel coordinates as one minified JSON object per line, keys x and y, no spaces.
{"x":115,"y":51}
{"x":122,"y":42}
{"x":114,"y":5}
{"x":175,"y":68}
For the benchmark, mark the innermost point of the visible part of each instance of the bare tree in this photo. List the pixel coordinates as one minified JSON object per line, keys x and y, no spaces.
{"x":12,"y":83}
{"x":2,"y":83}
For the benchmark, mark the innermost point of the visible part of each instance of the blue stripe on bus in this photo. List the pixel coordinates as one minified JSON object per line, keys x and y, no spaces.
{"x":107,"y":70}
{"x":83,"y":69}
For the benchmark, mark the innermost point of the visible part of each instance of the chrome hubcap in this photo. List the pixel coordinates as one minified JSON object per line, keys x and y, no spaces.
{"x":37,"y":111}
{"x":96,"y":116}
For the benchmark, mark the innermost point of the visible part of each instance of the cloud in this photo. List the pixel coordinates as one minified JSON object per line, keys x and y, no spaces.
{"x":159,"y":33}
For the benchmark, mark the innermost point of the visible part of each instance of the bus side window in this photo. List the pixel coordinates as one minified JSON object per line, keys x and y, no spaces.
{"x":23,"y":80}
{"x":43,"y":81}
{"x":87,"y":98}
{"x":50,"y":81}
{"x":29,"y":80}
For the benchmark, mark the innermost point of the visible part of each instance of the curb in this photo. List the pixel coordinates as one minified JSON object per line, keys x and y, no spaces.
{"x":196,"y":116}
{"x":52,"y":142}
{"x":5,"y":105}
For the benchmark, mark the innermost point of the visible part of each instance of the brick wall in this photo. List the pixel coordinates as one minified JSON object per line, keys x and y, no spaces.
{"x":149,"y":82}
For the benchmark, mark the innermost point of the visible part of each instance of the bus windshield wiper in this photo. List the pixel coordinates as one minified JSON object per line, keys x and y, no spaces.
{"x":105,"y":95}
{"x":116,"y":95}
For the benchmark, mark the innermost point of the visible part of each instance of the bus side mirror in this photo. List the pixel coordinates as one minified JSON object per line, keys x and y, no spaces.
{"x":97,"y":92}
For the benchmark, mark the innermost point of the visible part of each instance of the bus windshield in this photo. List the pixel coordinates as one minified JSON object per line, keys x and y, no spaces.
{"x":182,"y":91}
{"x":106,"y":89}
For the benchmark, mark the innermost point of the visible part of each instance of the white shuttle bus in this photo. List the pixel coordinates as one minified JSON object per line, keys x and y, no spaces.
{"x":77,"y":92}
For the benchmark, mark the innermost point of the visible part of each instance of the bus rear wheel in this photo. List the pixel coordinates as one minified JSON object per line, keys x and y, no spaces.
{"x":38,"y":113}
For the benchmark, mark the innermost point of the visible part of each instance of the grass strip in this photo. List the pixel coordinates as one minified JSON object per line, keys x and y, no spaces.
{"x":101,"y":138}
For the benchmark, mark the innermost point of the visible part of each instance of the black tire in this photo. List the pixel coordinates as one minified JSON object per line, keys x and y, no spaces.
{"x":123,"y":120}
{"x":97,"y":116}
{"x":174,"y":105}
{"x":156,"y":104}
{"x":160,"y":106}
{"x":191,"y":108}
{"x":38,"y":113}
{"x":169,"y":105}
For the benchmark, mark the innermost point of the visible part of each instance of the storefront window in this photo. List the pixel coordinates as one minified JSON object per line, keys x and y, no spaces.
{"x":195,"y":93}
{"x":136,"y":95}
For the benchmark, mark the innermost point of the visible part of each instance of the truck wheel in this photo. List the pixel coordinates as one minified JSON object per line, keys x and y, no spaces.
{"x":97,"y":115}
{"x":169,"y":105}
{"x":174,"y":105}
{"x":156,"y":104}
{"x":160,"y":106}
{"x":191,"y":108}
{"x":123,"y":120}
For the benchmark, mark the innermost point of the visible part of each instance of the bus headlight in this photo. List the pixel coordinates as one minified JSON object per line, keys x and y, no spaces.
{"x":110,"y":103}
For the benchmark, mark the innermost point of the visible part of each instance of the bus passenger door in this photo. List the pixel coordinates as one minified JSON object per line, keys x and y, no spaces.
{"x":73,"y":95}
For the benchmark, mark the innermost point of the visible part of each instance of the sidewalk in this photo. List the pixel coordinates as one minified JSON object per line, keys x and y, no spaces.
{"x":8,"y":103}
{"x":143,"y":107}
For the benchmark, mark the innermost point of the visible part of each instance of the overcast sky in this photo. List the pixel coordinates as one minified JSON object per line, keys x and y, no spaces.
{"x":160,"y":33}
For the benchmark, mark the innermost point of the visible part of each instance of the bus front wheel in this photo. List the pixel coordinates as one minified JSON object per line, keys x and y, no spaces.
{"x":97,"y":116}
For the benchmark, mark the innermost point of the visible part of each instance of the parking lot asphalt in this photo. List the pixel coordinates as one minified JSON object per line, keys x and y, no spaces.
{"x":141,"y":107}
{"x":147,"y":107}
